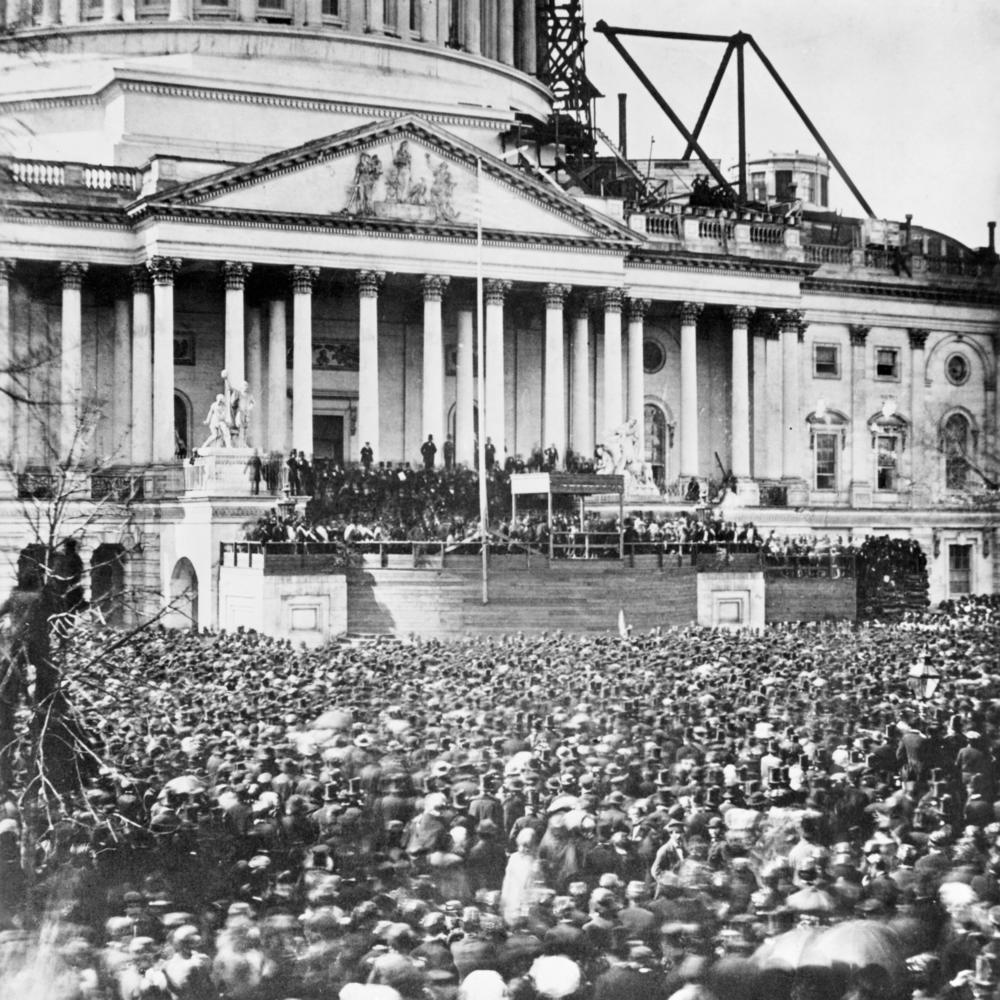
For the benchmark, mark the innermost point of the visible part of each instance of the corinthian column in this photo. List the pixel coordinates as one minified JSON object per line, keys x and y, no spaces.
{"x":861,"y":484}
{"x":303,"y":279}
{"x":583,"y":405}
{"x":6,"y":384}
{"x":614,"y":409}
{"x":368,"y":398}
{"x":495,"y":293}
{"x":690,"y":465}
{"x":277,"y":377}
{"x":637,"y":309}
{"x":792,"y":426}
{"x":465,"y":434}
{"x":163,"y":271}
{"x":433,"y":287}
{"x":554,"y":403}
{"x":235,"y":275}
{"x":740,"y":415}
{"x":70,"y":382}
{"x":142,"y":367}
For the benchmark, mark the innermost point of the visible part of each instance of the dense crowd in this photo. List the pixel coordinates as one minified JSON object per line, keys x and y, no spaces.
{"x":529,"y":817}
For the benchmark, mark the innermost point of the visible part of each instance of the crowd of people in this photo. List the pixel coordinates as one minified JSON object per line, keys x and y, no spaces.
{"x":689,"y":813}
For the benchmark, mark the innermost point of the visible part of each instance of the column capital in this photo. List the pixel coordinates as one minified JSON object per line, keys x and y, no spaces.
{"x":918,"y":338}
{"x":580,"y":305}
{"x":433,"y":286}
{"x":71,"y":273}
{"x":495,"y":290}
{"x":739,"y":316}
{"x":859,"y":334}
{"x":690,"y":311}
{"x":6,"y":268}
{"x":369,"y":283}
{"x":138,"y":276}
{"x":612,"y":299}
{"x":235,"y":274}
{"x":163,"y":269}
{"x":791,"y":321}
{"x":303,"y":279}
{"x":636,"y":309}
{"x":764,"y":323}
{"x":555,"y":295}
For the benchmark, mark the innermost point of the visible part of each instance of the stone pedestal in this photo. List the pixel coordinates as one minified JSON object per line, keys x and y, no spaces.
{"x":796,"y":491}
{"x":747,"y":492}
{"x":219,"y":472}
{"x":861,"y":494}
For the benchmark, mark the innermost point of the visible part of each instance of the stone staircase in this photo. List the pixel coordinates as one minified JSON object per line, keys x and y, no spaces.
{"x":576,"y":596}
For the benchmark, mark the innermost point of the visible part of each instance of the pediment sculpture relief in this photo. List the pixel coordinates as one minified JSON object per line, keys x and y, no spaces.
{"x":405,"y":191}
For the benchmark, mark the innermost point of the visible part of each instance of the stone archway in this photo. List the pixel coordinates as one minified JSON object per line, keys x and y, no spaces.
{"x":183,"y":610}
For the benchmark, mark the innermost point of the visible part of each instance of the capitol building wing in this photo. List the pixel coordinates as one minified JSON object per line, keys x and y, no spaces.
{"x":306,"y":195}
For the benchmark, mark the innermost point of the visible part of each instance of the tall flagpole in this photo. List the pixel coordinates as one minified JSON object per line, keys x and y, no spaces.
{"x":480,"y":354}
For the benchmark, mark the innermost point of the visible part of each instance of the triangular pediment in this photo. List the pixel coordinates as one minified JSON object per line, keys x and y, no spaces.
{"x":401,"y":171}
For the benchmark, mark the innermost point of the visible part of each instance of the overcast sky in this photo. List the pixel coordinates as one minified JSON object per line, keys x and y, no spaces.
{"x":905,"y":92}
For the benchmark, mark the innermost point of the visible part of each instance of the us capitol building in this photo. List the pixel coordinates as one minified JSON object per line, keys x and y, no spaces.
{"x":289,"y":190}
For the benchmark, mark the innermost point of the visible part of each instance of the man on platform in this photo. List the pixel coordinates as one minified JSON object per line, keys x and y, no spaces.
{"x":427,"y":451}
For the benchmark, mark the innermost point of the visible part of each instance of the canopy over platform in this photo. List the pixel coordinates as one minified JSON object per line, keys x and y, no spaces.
{"x":550,"y":484}
{"x":565,"y":484}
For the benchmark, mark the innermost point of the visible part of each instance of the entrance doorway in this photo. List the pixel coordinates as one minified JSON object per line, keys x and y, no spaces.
{"x":328,"y":437}
{"x":183,"y":612}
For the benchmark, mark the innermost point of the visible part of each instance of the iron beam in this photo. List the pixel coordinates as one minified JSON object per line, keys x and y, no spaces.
{"x":668,"y":111}
{"x":812,"y":128}
{"x":684,"y":36}
{"x":712,"y":91}
{"x":741,"y":109}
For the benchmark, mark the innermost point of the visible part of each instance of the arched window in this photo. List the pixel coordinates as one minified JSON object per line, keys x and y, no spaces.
{"x":957,"y":444}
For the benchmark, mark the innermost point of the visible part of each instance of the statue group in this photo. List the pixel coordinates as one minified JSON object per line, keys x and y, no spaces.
{"x":624,"y":459}
{"x":228,"y":417}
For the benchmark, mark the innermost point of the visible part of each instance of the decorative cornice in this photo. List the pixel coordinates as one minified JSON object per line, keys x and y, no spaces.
{"x":235,"y":274}
{"x":916,"y":293}
{"x":612,"y":298}
{"x":71,"y":274}
{"x":433,"y":286}
{"x":645,"y":256}
{"x":163,"y":269}
{"x":303,"y":279}
{"x":690,"y":311}
{"x":555,"y":295}
{"x":859,"y":334}
{"x":918,"y":338}
{"x":495,"y":291}
{"x":636,"y":309}
{"x":739,"y":316}
{"x":139,"y":279}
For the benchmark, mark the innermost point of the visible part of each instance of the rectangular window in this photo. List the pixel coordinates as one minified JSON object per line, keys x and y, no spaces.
{"x":783,"y":185}
{"x":389,"y":15}
{"x":271,"y":4}
{"x":811,"y":188}
{"x":414,"y":15}
{"x":885,"y":466}
{"x":959,"y":569}
{"x":758,"y":186}
{"x":826,"y":361}
{"x":331,"y":8}
{"x":886,"y":363}
{"x":824,"y":191}
{"x":826,"y":461}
